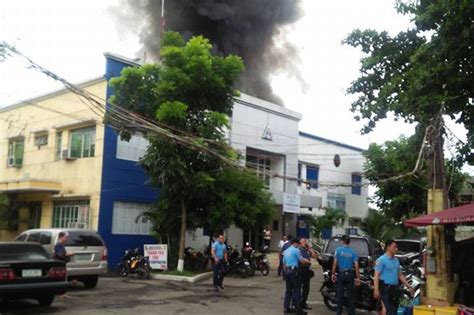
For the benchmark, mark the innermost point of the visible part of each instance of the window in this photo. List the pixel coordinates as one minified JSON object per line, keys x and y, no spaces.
{"x":59,"y":144}
{"x":82,"y":143}
{"x":83,"y":238}
{"x":276,"y":225}
{"x":70,"y":214}
{"x":45,"y":238}
{"x":124,"y":219}
{"x":15,"y":152}
{"x":356,"y":184}
{"x":34,"y":237}
{"x":299,"y":173}
{"x":132,"y":150}
{"x":336,"y":201}
{"x":312,"y":176}
{"x":21,"y":238}
{"x":262,"y":167}
{"x":41,"y":140}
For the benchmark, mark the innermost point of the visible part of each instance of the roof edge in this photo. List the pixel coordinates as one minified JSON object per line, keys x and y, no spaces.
{"x":347,"y":146}
{"x":60,"y":91}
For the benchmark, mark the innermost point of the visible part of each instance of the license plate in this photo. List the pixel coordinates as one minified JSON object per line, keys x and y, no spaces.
{"x":30,"y":273}
{"x":265,"y":260}
{"x":78,"y":257}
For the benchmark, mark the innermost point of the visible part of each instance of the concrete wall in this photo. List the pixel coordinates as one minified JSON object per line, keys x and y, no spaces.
{"x":320,"y":152}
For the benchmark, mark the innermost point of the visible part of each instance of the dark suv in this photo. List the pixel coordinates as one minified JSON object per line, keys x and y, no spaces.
{"x":366,"y":248}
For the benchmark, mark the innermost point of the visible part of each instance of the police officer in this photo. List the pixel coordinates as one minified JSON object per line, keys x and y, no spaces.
{"x":345,"y":258}
{"x":387,"y":275}
{"x":291,"y":261}
{"x":305,"y":272}
{"x":219,"y":262}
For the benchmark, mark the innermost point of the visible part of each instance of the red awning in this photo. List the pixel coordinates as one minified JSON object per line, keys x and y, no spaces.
{"x":458,"y":215}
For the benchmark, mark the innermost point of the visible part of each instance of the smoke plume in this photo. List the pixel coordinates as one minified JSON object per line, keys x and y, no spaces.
{"x":248,"y":28}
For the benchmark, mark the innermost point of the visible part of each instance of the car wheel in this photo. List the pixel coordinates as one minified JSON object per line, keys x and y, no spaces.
{"x":90,"y":282}
{"x":330,"y":304}
{"x":46,"y":300}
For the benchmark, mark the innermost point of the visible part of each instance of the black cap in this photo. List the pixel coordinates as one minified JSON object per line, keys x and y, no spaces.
{"x":346,"y":239}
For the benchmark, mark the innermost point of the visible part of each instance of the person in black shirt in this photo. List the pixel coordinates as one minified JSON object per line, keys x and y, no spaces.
{"x":60,"y":249}
{"x":305,"y":271}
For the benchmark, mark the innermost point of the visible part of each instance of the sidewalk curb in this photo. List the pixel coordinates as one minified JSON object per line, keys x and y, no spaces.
{"x":194,"y":279}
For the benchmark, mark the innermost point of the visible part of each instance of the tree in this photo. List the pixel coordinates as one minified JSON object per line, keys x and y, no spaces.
{"x":420,"y":75}
{"x":421,"y":71}
{"x":190,"y":93}
{"x":331,"y":217}
{"x":406,"y":195}
{"x":380,"y":227}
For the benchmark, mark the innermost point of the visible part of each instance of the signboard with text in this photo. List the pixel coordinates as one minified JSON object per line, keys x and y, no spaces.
{"x":291,"y":203}
{"x":158,"y":255}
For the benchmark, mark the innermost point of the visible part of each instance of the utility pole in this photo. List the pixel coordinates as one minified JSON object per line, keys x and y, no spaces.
{"x":439,"y":284}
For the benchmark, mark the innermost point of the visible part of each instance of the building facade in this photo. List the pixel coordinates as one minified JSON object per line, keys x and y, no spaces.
{"x":61,"y":166}
{"x":333,"y":171}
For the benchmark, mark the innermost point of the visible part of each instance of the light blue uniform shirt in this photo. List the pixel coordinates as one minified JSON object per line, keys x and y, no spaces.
{"x":389,"y":268}
{"x":219,"y":249}
{"x":346,"y":257}
{"x":292,"y":256}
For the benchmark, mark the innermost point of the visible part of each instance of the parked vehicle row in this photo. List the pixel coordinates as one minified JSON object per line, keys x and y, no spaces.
{"x":368,"y":251}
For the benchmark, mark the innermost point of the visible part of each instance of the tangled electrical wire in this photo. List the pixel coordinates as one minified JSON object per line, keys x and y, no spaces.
{"x":126,"y":120}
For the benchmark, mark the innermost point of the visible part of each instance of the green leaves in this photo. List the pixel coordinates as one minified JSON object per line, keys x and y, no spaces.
{"x":332,"y":217}
{"x":411,"y":76}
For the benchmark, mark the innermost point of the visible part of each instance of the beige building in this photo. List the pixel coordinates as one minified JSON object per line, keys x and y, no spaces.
{"x":51,"y":159}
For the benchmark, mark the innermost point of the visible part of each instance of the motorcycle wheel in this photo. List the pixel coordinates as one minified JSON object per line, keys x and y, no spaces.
{"x":330,"y":304}
{"x":265,"y":269}
{"x":243,"y":272}
{"x":144,"y":272}
{"x":250,"y":271}
{"x":122,"y":270}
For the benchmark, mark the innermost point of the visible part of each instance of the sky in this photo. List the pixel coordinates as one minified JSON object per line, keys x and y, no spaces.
{"x":70,"y":37}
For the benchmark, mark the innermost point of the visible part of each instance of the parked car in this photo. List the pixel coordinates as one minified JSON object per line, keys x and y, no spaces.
{"x":90,"y":254}
{"x":366,"y":248}
{"x":27,"y":271}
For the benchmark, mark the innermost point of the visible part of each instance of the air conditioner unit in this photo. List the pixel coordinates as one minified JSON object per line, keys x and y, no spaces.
{"x":77,"y":225}
{"x":66,"y":155}
{"x":15,"y":162}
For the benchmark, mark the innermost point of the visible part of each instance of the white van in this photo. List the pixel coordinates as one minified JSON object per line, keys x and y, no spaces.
{"x":90,"y":254}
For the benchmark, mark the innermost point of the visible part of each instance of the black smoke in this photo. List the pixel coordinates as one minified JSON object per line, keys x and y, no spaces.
{"x":248,"y":28}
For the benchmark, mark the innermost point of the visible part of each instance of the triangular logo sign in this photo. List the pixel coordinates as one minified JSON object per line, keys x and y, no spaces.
{"x":267,"y":134}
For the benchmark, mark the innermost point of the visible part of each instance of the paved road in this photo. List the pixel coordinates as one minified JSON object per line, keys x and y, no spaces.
{"x":257,"y":295}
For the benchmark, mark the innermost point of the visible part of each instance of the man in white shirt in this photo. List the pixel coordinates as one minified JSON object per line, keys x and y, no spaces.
{"x":282,"y":243}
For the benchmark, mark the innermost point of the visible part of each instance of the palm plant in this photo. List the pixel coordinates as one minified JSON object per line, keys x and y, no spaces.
{"x":379,"y":226}
{"x":332,"y":217}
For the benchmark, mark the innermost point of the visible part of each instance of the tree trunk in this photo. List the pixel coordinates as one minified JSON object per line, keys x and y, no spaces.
{"x":182,"y":236}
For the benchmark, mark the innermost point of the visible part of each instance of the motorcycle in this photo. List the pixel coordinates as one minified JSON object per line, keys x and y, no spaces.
{"x":257,"y":262}
{"x":238,"y":265}
{"x":135,"y":264}
{"x":363,"y":295}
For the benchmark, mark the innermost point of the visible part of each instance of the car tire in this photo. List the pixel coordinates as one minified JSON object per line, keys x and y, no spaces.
{"x":46,"y":300}
{"x":90,"y":282}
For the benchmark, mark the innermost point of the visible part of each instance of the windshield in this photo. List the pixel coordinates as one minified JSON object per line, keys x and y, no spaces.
{"x":21,"y":251}
{"x":408,"y":247}
{"x":358,"y":244}
{"x":83,"y":238}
